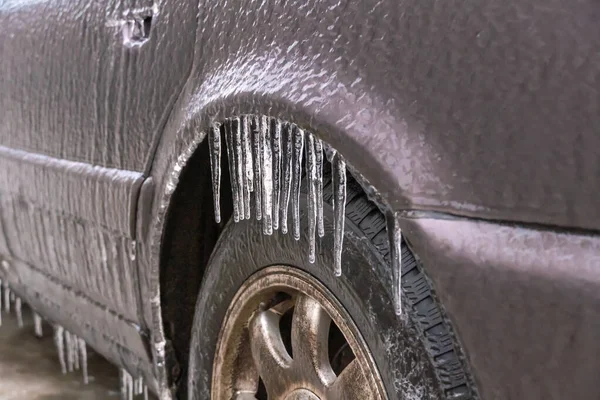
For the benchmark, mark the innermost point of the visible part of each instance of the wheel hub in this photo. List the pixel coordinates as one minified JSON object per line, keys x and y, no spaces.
{"x":286,"y":337}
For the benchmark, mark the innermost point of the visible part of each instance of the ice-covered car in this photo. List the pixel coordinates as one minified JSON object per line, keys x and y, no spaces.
{"x":236,"y":199}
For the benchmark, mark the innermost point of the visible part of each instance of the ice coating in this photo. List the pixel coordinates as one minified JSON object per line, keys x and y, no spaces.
{"x":298,"y":135}
{"x":276,"y":153}
{"x":267,"y":176}
{"x":339,"y":209}
{"x":395,"y":238}
{"x":311,"y":171}
{"x":214,"y":144}
{"x":287,"y":176}
{"x":19,"y":312}
{"x":37,"y":324}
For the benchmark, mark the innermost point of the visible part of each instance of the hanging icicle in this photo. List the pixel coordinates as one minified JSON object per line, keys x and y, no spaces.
{"x":267,"y":176}
{"x":232,"y":171}
{"x":276,"y":145}
{"x":83,"y":359}
{"x":256,"y":152}
{"x":0,"y":302}
{"x":395,"y":238}
{"x":126,"y":385}
{"x":239,"y":169}
{"x":297,"y":178}
{"x":60,"y":347}
{"x":287,"y":176}
{"x":319,"y":186}
{"x":19,"y":312}
{"x":339,"y":209}
{"x":6,"y":297}
{"x":37,"y":324}
{"x":311,"y":172}
{"x":214,"y":145}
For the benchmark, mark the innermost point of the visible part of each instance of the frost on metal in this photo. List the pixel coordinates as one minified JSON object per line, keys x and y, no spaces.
{"x":72,"y":352}
{"x":395,"y":237}
{"x":267,"y":160}
{"x":131,"y":386}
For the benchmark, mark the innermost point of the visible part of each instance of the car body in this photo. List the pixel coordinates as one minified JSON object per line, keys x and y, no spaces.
{"x":476,"y":122}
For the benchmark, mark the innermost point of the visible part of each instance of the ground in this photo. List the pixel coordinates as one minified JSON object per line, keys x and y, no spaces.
{"x":30,"y":370}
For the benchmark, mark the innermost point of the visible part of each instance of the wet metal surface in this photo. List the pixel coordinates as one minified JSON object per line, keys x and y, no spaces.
{"x":30,"y":369}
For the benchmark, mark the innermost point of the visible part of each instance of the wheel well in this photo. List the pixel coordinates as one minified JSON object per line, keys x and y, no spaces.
{"x":190,"y":236}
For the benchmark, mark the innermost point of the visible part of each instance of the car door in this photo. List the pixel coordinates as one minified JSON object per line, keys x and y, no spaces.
{"x":85,"y":86}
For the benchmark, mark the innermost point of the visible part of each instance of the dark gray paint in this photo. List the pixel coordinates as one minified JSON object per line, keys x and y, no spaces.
{"x":479,"y":108}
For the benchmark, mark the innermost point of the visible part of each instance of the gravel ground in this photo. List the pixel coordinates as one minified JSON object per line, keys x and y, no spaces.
{"x":29,"y":367}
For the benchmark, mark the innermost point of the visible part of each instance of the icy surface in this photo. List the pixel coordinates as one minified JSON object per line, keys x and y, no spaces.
{"x":214,"y":144}
{"x":395,"y":237}
{"x":339,"y":208}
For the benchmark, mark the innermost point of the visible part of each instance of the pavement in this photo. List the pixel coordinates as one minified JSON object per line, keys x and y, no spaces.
{"x":30,"y":370}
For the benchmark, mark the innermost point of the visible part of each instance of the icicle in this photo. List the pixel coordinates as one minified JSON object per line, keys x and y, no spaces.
{"x":339,"y":207}
{"x":19,"y":312}
{"x":60,"y":347}
{"x":0,"y":302}
{"x":256,"y":143}
{"x":239,"y":168}
{"x":6,"y":297}
{"x":276,"y":140}
{"x":319,"y":186}
{"x":37,"y":323}
{"x":83,"y":360}
{"x":214,"y":145}
{"x":69,"y":350}
{"x":126,"y":385}
{"x":145,"y":392}
{"x":297,"y":179}
{"x":232,"y":171}
{"x":75,"y":343}
{"x":267,"y":176}
{"x":246,"y":159}
{"x":139,"y":385}
{"x":311,"y":172}
{"x":287,"y":176}
{"x":395,"y":237}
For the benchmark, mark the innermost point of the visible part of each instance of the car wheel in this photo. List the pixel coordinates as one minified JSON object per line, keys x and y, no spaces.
{"x":270,"y":324}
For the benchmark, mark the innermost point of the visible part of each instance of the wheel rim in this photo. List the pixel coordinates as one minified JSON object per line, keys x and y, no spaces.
{"x":281,"y":338}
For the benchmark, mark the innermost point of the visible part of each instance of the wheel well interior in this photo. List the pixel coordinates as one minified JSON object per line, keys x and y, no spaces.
{"x":190,"y":236}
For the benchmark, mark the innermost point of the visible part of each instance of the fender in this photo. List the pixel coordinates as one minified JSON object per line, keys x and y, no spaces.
{"x":474,"y":109}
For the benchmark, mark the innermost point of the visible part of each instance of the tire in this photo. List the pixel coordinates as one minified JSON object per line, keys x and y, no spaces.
{"x":416,"y":355}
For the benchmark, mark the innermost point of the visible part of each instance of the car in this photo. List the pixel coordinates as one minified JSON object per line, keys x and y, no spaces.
{"x":307,"y":199}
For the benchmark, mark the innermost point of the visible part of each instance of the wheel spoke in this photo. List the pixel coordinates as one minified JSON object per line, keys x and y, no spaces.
{"x":310,"y":334}
{"x":351,"y":384}
{"x":268,"y":351}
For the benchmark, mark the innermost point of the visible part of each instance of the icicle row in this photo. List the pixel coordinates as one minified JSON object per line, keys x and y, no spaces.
{"x":395,"y":238}
{"x":132,"y":386}
{"x":72,"y":351}
{"x":265,"y":157}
